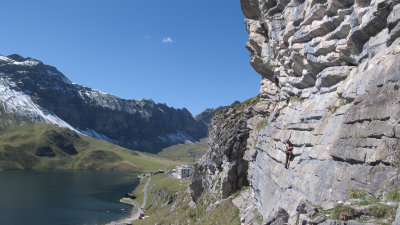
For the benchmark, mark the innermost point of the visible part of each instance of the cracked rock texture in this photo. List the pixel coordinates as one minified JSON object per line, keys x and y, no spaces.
{"x":331,"y":85}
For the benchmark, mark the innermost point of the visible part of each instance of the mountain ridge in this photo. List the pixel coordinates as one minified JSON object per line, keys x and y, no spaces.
{"x":38,"y":92}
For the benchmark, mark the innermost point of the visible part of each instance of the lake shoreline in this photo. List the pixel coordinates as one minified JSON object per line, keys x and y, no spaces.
{"x":92,"y":197}
{"x":134,"y":215}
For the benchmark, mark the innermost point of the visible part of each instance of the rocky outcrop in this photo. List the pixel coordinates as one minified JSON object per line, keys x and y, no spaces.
{"x":223,"y":170}
{"x":280,"y":217}
{"x":330,"y":84}
{"x":37,"y":92}
{"x":206,"y":116}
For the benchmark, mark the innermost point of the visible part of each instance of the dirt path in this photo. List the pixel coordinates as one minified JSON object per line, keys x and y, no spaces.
{"x":140,"y":209}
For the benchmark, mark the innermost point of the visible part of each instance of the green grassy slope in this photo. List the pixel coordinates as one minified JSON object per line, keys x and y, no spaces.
{"x":169,"y":203}
{"x":45,"y":146}
{"x":180,"y":151}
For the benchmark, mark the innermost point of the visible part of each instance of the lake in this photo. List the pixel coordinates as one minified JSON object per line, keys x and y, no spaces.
{"x":63,"y":198}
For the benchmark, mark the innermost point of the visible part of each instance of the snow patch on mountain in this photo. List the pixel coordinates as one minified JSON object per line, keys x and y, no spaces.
{"x":20,"y":104}
{"x":6,"y":59}
{"x":27,"y":62}
{"x":178,"y":137}
{"x":92,"y":133}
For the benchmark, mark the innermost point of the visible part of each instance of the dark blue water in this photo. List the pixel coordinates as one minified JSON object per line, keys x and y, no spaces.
{"x":63,"y":198}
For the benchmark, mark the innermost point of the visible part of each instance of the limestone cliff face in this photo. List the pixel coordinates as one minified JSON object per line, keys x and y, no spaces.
{"x":330,"y":84}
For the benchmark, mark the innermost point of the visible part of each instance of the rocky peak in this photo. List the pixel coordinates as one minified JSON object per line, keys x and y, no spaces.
{"x":17,"y":58}
{"x":206,"y":116}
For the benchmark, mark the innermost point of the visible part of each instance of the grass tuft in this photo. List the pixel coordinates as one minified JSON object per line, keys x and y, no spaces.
{"x":383,"y":211}
{"x":356,"y":194}
{"x":369,"y":201}
{"x":262,"y":124}
{"x":237,"y":193}
{"x":334,"y":108}
{"x":394,"y":195}
{"x":257,"y":216}
{"x":342,"y":212}
{"x":294,"y":99}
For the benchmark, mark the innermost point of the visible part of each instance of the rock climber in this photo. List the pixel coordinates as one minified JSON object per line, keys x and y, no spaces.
{"x":289,"y":153}
{"x":242,"y":221}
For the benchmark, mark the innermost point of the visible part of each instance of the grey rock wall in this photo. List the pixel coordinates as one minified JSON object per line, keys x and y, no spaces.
{"x":330,"y":84}
{"x":337,"y":67}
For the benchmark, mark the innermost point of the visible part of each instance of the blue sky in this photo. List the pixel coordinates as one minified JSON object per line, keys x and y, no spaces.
{"x":184,"y":53}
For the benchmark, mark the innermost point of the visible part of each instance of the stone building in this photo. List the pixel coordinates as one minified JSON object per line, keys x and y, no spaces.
{"x":183,"y":171}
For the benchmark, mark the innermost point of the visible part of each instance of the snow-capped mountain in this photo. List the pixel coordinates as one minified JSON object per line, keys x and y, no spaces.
{"x":37,"y":92}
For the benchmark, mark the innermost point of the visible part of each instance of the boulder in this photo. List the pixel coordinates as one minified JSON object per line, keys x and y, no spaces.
{"x":279,"y":218}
